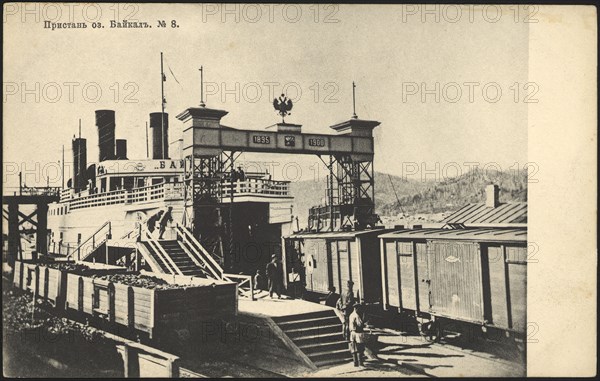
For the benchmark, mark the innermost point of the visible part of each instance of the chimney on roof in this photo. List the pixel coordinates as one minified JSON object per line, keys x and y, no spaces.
{"x":492,"y":196}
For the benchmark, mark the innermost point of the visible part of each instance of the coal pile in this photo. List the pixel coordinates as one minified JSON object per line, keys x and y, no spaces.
{"x":138,"y":280}
{"x":37,"y":343}
{"x":77,"y":268}
{"x":18,"y":316}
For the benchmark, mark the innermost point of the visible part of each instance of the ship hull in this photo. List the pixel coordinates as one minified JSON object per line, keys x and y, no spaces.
{"x":73,"y":227}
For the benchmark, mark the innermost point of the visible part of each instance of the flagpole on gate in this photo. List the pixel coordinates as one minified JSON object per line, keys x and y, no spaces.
{"x":202,"y":104}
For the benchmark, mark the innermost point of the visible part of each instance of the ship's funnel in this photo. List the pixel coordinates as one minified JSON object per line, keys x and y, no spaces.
{"x":160,"y":135}
{"x":121,"y":152}
{"x":105,"y":122}
{"x":79,"y":163}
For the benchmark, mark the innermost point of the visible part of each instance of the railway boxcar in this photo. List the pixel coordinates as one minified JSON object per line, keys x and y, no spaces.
{"x":333,"y":258}
{"x":474,"y":275}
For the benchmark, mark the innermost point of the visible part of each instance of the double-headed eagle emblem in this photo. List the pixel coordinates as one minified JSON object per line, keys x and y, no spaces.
{"x":283,"y":106}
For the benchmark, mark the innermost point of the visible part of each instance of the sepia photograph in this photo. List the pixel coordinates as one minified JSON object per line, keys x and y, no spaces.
{"x":299,"y":190}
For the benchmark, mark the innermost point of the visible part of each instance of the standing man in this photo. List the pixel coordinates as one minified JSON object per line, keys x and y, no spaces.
{"x":357,"y":346}
{"x":258,"y":280}
{"x":167,"y":217}
{"x":346,"y":304}
{"x":274,"y":275}
{"x":241,"y":174}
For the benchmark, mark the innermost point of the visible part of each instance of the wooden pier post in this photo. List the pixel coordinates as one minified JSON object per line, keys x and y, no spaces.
{"x":41,"y":235}
{"x":13,"y":233}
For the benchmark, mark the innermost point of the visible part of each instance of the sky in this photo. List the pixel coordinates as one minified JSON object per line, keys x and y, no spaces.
{"x":449,"y":84}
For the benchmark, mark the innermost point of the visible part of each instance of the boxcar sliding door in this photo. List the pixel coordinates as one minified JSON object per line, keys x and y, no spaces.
{"x":391,"y":274}
{"x":317,"y":272}
{"x":456,"y":280}
{"x":516,"y":263}
{"x":406,"y":264}
{"x":423,"y":279}
{"x":335,"y":267}
{"x":508,"y":286}
{"x":344,"y":262}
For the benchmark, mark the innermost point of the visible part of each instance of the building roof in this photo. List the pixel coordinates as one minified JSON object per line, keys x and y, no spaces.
{"x":507,"y":213}
{"x":469,"y":234}
{"x":348,"y":234}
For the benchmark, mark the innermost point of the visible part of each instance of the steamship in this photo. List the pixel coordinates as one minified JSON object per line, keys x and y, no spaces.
{"x":126,"y":192}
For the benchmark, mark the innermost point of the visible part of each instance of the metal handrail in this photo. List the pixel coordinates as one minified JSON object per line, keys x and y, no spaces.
{"x":160,"y":251}
{"x":93,"y":238}
{"x":24,"y":190}
{"x":135,"y":230}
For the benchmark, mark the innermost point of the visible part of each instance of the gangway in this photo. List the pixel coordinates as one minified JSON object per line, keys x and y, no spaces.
{"x":183,"y":255}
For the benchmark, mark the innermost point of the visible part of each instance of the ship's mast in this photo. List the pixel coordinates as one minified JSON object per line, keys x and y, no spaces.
{"x":63,"y":166}
{"x":162,"y":102}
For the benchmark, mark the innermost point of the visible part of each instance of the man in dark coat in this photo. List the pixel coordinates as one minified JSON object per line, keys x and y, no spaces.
{"x":167,"y":217}
{"x":274,"y":274}
{"x":331,"y":298}
{"x":152,"y":221}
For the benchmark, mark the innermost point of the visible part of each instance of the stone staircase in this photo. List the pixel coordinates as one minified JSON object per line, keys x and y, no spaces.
{"x":318,"y":335}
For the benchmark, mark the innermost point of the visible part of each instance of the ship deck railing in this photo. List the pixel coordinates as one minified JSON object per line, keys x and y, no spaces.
{"x":162,"y":191}
{"x":253,"y":186}
{"x":174,"y":191}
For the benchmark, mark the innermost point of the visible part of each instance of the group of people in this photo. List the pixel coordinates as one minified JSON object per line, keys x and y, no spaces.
{"x":274,"y":272}
{"x":163,"y":218}
{"x":353,"y":327}
{"x":238,"y":175}
{"x":274,"y":276}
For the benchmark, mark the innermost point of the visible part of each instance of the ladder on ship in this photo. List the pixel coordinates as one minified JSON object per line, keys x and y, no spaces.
{"x":94,"y":245}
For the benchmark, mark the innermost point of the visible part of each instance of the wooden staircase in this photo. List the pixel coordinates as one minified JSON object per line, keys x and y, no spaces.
{"x":318,"y":335}
{"x":180,"y":259}
{"x":186,"y":256}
